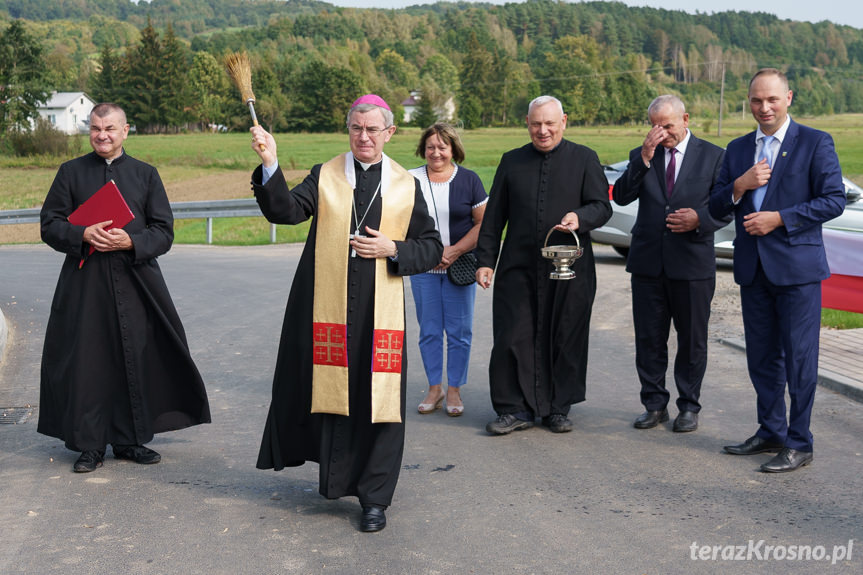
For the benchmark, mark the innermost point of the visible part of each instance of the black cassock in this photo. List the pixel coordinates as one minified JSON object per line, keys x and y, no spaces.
{"x":115,"y":365}
{"x":539,"y":358}
{"x":356,"y":457}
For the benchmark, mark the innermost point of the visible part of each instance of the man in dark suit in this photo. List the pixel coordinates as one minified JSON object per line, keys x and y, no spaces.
{"x":782,"y":182}
{"x":671,"y":258}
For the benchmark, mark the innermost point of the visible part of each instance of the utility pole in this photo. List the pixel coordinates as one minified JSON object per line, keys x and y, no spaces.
{"x":721,"y":100}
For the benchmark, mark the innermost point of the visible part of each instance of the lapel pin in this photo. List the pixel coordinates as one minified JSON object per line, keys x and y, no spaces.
{"x":784,"y":154}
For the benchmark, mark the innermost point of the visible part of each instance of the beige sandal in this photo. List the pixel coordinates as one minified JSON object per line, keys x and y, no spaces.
{"x":430,"y":407}
{"x":454,"y":410}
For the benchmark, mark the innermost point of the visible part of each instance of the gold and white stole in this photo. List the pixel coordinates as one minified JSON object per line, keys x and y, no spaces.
{"x":330,"y":359}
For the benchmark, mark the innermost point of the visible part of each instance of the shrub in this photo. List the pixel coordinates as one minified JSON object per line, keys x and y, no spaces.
{"x":43,"y":140}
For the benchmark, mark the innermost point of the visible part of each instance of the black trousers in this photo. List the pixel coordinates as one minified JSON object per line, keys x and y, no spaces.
{"x":656,"y":303}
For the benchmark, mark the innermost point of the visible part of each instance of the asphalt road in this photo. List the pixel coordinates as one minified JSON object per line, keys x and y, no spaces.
{"x":605,"y":498}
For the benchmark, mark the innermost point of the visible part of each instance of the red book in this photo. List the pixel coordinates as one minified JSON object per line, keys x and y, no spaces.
{"x":106,"y":204}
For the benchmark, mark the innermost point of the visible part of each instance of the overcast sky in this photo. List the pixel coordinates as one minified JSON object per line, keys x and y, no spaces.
{"x":848,"y":12}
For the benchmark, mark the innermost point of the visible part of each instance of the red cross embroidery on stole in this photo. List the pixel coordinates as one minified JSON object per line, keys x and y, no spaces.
{"x":388,"y":350}
{"x":329,"y":344}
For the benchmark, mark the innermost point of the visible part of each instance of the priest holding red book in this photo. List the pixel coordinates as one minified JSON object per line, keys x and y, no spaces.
{"x":116,"y":367}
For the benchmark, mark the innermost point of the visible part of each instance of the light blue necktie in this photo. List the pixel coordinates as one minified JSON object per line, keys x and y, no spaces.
{"x":766,"y":154}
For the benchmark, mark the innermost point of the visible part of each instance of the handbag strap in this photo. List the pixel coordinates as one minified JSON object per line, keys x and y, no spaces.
{"x":434,"y":203}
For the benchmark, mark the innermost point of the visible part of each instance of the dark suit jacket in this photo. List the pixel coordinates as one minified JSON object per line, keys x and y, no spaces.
{"x":654,"y":248}
{"x":805,"y":188}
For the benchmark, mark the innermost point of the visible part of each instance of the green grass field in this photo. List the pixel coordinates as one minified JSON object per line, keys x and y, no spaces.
{"x":24,"y":181}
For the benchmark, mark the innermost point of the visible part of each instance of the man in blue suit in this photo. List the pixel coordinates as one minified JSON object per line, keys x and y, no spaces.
{"x":671,"y":258}
{"x":782,"y":182}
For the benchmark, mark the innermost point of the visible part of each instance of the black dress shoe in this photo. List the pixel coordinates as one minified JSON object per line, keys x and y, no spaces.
{"x":557,"y":423}
{"x":507,"y":423}
{"x":752,"y":446}
{"x":685,"y":421}
{"x":374,"y":519}
{"x":787,"y":460}
{"x":89,"y":461}
{"x":137,"y":453}
{"x":650,"y":419}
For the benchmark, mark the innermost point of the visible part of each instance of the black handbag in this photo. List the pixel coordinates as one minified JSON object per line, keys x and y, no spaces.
{"x":462,"y":272}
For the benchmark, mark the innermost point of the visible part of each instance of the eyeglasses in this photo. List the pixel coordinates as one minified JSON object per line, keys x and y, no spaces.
{"x":372,"y":131}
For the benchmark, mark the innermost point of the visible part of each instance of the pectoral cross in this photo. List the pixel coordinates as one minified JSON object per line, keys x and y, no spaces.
{"x":350,"y":237}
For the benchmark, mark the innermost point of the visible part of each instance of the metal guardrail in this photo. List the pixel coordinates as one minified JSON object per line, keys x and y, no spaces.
{"x":28,"y":216}
{"x":208,"y":210}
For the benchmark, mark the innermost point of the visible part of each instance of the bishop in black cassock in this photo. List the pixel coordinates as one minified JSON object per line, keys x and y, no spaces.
{"x":339,"y":386}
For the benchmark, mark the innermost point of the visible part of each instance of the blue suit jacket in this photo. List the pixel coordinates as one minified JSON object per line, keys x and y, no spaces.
{"x":654,"y":249}
{"x":805,"y":188}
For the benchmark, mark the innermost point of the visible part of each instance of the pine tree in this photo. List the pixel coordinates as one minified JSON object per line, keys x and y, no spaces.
{"x":23,"y":78}
{"x":477,"y":85}
{"x":323,"y":96}
{"x":104,"y":84}
{"x":425,"y":115}
{"x":176,"y":98}
{"x":143,"y":97}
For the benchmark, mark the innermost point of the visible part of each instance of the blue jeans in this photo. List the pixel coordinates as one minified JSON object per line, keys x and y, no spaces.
{"x":444,"y":308}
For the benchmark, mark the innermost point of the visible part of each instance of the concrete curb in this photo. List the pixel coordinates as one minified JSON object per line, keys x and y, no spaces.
{"x":840,"y":384}
{"x":829,"y":379}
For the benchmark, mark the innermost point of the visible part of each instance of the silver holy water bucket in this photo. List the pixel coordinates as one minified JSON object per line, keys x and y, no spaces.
{"x":562,"y":257}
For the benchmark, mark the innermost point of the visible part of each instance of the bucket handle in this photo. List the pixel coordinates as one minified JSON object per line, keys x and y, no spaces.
{"x":548,"y":235}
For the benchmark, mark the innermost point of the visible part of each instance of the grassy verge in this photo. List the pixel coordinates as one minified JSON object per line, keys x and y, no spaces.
{"x":237,"y":232}
{"x":841,"y":319}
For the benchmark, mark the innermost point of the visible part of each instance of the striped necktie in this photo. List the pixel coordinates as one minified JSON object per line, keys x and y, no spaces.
{"x":669,"y":172}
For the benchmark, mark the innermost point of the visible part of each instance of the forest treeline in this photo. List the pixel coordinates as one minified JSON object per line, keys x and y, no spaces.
{"x":604,"y":60}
